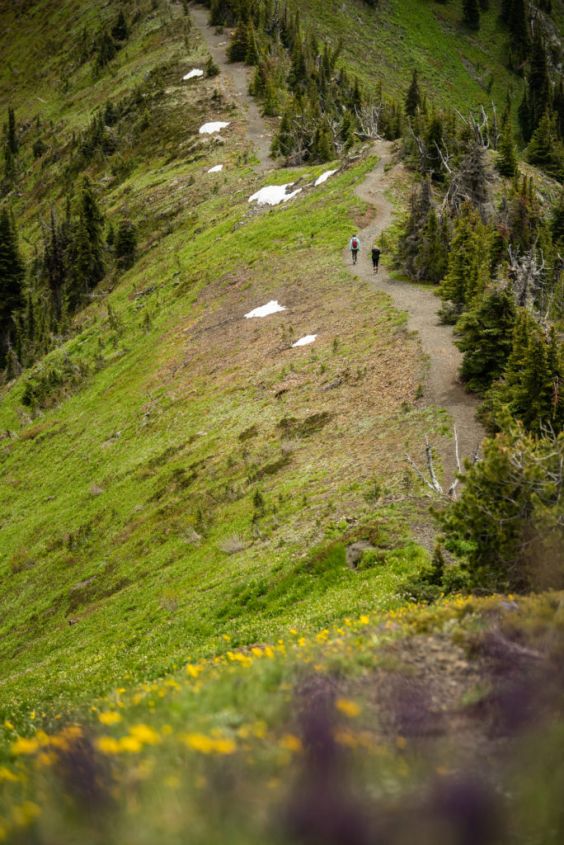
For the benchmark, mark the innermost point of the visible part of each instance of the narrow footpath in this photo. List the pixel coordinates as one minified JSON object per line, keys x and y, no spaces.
{"x":443,"y":387}
{"x":238,"y":76}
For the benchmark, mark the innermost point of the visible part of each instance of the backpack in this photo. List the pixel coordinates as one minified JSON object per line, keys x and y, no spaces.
{"x":354,"y":243}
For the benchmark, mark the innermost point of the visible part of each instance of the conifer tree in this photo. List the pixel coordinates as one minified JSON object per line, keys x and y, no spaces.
{"x":12,"y":272}
{"x":126,"y":244}
{"x":537,"y":96}
{"x":413,"y":97}
{"x":546,"y":149}
{"x":506,"y":163}
{"x":468,"y":264}
{"x":486,"y":337}
{"x":120,"y":30}
{"x":430,"y":263}
{"x":239,"y":45}
{"x":11,"y":135}
{"x":410,"y":241}
{"x":87,"y":248}
{"x":471,"y":13}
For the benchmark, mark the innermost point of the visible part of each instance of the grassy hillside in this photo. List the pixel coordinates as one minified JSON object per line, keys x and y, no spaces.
{"x":180,"y":487}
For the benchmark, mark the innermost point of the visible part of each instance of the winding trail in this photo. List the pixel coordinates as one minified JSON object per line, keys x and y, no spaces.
{"x":238,"y":75}
{"x":443,"y":387}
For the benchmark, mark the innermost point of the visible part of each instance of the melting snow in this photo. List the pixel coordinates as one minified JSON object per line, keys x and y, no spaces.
{"x":305,"y":341}
{"x":324,"y":177}
{"x":272,"y":307}
{"x":210,"y":128}
{"x":274,"y":194}
{"x":217,"y":169}
{"x":193,"y":74}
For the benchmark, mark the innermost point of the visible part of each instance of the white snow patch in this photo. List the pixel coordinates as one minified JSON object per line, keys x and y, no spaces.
{"x":217,"y":169}
{"x":305,"y":341}
{"x":274,"y":194}
{"x":324,"y":177}
{"x":215,"y":126}
{"x":197,"y":73}
{"x":272,"y":307}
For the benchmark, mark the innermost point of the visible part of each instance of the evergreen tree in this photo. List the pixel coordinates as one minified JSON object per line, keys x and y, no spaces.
{"x":430,"y":263}
{"x":413,"y":97}
{"x":506,"y":524}
{"x":120,"y":30}
{"x":518,"y":23}
{"x":12,"y":135}
{"x":239,"y":45}
{"x":87,"y":247}
{"x":126,"y":244}
{"x":546,"y":149}
{"x":538,"y":89}
{"x":532,"y":385}
{"x":473,"y":177}
{"x":486,"y":337}
{"x":468,"y":264}
{"x":410,"y":241}
{"x":12,"y":273}
{"x":506,"y":163}
{"x":471,"y":13}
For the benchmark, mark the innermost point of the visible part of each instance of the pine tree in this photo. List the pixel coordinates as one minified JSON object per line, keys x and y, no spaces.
{"x":12,"y":135}
{"x":12,"y":272}
{"x":430,"y":263}
{"x":518,"y":23}
{"x":506,"y":163}
{"x":126,"y":244}
{"x":413,"y":97}
{"x":486,"y":337}
{"x":239,"y":44}
{"x":538,"y":88}
{"x":87,"y":248}
{"x":545,"y":148}
{"x":410,"y":241}
{"x":468,"y":264}
{"x":471,"y":14}
{"x":120,"y":30}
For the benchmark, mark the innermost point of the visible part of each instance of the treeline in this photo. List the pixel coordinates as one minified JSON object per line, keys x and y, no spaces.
{"x":38,"y":299}
{"x":323,"y":109}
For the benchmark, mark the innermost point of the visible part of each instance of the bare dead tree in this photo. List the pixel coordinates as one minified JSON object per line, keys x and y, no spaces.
{"x":528,"y":280}
{"x":430,"y":479}
{"x":368,"y":118}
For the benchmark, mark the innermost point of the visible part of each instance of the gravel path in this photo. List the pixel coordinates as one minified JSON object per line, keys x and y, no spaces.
{"x":443,"y":387}
{"x":238,"y":76}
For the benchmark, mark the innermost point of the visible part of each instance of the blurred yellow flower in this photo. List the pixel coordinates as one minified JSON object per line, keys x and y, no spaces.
{"x":290,"y":742}
{"x":24,"y":814}
{"x":23,"y":745}
{"x":107,"y":745}
{"x":347,"y":707}
{"x":130,"y":744}
{"x":109,"y":717}
{"x":193,"y":671}
{"x":7,"y":776}
{"x":145,"y":734}
{"x":209,"y":745}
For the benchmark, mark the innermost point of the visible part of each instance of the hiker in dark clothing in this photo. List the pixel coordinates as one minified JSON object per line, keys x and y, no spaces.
{"x":354,"y":247}
{"x":375,"y":257}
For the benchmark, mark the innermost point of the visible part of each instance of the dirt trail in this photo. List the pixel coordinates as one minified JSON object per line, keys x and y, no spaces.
{"x":443,"y":387}
{"x":238,"y":76}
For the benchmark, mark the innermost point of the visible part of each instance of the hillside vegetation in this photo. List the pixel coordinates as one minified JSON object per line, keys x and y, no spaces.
{"x":219,"y":573}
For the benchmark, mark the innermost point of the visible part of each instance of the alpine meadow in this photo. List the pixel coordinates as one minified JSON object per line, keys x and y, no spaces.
{"x":281,"y":422}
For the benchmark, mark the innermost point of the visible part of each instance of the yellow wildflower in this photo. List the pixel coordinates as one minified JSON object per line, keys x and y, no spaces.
{"x":46,"y":758}
{"x":364,"y":619}
{"x":209,"y":745}
{"x":130,"y":744}
{"x":23,"y":745}
{"x":107,"y":745}
{"x":145,"y":734}
{"x":347,"y":707}
{"x":290,"y":742}
{"x":192,"y":670}
{"x":109,"y":717}
{"x":8,"y":725}
{"x":7,"y":776}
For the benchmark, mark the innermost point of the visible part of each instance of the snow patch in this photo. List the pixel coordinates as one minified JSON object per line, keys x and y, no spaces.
{"x":193,"y":74}
{"x":324,"y":177}
{"x":272,"y":307}
{"x":215,"y":126}
{"x":274,"y":194}
{"x":305,"y":341}
{"x":217,"y":169}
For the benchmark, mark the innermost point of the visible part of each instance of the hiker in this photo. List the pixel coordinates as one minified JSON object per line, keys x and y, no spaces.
{"x":354,"y":247}
{"x":376,"y":257}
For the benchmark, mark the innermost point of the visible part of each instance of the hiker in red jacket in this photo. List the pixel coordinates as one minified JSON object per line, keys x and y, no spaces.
{"x":354,"y":247}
